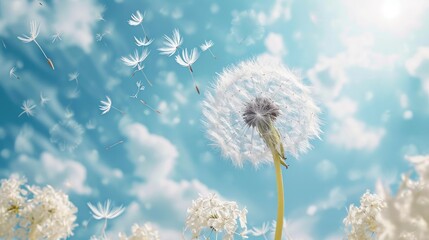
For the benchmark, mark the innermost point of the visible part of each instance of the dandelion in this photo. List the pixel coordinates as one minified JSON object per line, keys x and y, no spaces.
{"x":56,"y":36}
{"x":43,"y":100}
{"x":143,"y":42}
{"x":140,"y":87}
{"x":12,"y":73}
{"x":137,"y":19}
{"x":67,"y":134}
{"x":34,"y":32}
{"x":106,"y":106}
{"x":27,"y":107}
{"x":221,"y":217}
{"x":171,"y":44}
{"x":145,"y":232}
{"x":206,"y":46}
{"x":74,"y":77}
{"x":186,"y":60}
{"x":137,"y":61}
{"x":264,"y":97}
{"x":105,"y":212}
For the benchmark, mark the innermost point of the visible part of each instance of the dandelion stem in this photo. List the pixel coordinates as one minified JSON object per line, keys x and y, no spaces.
{"x":151,"y":108}
{"x":40,"y":49}
{"x":115,"y":144}
{"x":103,"y":230}
{"x":193,"y":80}
{"x":144,"y":74}
{"x":280,"y":195}
{"x":51,"y":64}
{"x":210,"y":51}
{"x":143,"y":30}
{"x":118,"y":110}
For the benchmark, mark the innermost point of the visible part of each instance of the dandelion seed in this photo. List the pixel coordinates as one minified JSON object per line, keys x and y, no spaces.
{"x":143,"y":42}
{"x":151,"y":108}
{"x":186,"y":60}
{"x":34,"y":32}
{"x":27,"y":107}
{"x":4,"y":45}
{"x":136,"y":61}
{"x":171,"y":44}
{"x":90,"y":125}
{"x":67,"y":134}
{"x":137,"y":19}
{"x":114,"y":144}
{"x":73,"y":94}
{"x":262,"y":96}
{"x":105,"y":212}
{"x":56,"y":36}
{"x":261,"y":231}
{"x":106,"y":106}
{"x":12,"y":73}
{"x":74,"y":77}
{"x":206,"y":46}
{"x":99,"y":36}
{"x":140,"y":87}
{"x":43,"y":100}
{"x":68,"y":113}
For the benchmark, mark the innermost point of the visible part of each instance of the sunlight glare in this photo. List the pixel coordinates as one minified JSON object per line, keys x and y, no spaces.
{"x":391,"y":9}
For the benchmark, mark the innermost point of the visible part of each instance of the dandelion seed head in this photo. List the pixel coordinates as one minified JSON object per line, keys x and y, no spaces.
{"x":67,"y":134}
{"x":254,"y":93}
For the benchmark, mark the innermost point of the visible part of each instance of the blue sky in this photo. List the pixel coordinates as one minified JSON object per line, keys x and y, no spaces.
{"x":367,"y":64}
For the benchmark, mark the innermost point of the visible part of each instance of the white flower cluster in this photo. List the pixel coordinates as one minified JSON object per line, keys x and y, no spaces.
{"x":47,"y":215}
{"x":212,"y":214}
{"x":361,"y":221}
{"x":407,"y":213}
{"x":145,"y":232}
{"x":403,"y":216}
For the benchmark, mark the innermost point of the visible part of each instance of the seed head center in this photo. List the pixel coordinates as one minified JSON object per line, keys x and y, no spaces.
{"x":260,"y":112}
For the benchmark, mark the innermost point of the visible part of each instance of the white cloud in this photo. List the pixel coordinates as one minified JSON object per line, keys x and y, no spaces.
{"x":274,"y":44}
{"x":388,"y":16}
{"x":418,"y":66}
{"x":73,"y":18}
{"x":133,"y":215}
{"x":154,"y":158}
{"x":281,"y":10}
{"x":336,"y":199}
{"x":342,"y":108}
{"x":372,"y":173}
{"x":326,"y":169}
{"x":351,"y":133}
{"x":68,"y":175}
{"x":329,"y":74}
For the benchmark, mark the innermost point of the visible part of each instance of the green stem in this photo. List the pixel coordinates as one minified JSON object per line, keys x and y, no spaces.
{"x":280,"y":196}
